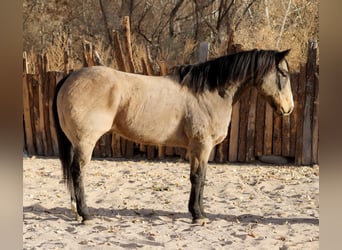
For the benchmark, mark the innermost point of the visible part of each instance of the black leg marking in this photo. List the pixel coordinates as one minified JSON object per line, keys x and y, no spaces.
{"x":81,"y":205}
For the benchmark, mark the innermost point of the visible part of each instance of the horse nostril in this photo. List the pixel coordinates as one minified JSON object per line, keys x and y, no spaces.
{"x":286,"y":112}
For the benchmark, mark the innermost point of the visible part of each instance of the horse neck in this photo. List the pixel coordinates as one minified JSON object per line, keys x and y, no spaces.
{"x":236,"y":89}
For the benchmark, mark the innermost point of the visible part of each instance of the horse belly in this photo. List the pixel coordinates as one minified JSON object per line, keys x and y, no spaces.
{"x":157,"y":130}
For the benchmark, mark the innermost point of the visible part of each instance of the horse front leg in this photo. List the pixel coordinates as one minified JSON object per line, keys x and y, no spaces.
{"x":198,"y":168}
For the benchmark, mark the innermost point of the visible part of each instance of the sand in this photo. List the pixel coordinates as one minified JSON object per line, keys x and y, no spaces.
{"x":143,"y":205}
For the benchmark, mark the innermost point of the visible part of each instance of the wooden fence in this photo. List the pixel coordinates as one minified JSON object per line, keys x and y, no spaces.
{"x":255,"y":129}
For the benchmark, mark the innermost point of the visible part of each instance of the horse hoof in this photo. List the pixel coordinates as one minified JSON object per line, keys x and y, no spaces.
{"x":87,"y":222}
{"x":200,"y":221}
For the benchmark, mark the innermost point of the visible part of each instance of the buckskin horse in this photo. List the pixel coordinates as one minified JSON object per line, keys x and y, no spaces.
{"x":190,"y":107}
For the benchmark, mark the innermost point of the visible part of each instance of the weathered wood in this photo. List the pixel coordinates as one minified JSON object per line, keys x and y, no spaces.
{"x":250,"y":143}
{"x":294,"y":115}
{"x":300,"y":116}
{"x":149,"y":62}
{"x":31,"y":91}
{"x":315,"y":131}
{"x":118,"y":55}
{"x":268,"y":133}
{"x":127,"y":43}
{"x":41,"y":109}
{"x":33,"y":85}
{"x":145,"y":67}
{"x":163,"y":68}
{"x":277,"y":137}
{"x":222,"y":151}
{"x":46,"y":110}
{"x":260,"y":126}
{"x":308,"y":106}
{"x":286,"y":135}
{"x":151,"y":152}
{"x":88,"y":54}
{"x":244,"y":109}
{"x":234,"y":133}
{"x":26,"y":110}
{"x":116,"y":146}
{"x":314,"y":77}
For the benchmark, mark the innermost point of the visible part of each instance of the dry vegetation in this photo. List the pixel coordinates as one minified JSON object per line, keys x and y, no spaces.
{"x":171,"y":29}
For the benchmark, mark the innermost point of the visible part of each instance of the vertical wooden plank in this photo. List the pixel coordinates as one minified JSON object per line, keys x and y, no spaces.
{"x":127,"y":43}
{"x":26,"y":112}
{"x":116,"y":146}
{"x":244,"y":110}
{"x":268,"y":133}
{"x":88,"y":59}
{"x":52,"y":81}
{"x":285,"y":140}
{"x":41,"y":104}
{"x":250,"y":142}
{"x":234,"y":133}
{"x":118,"y":55}
{"x":222,"y":151}
{"x":146,"y":67}
{"x":46,"y":100}
{"x":308,"y":106}
{"x":307,"y":125}
{"x":277,"y":137}
{"x":294,"y":115}
{"x":31,"y":82}
{"x":36,"y":116}
{"x":260,"y":126}
{"x":315,"y":134}
{"x":300,"y":117}
{"x":151,"y":152}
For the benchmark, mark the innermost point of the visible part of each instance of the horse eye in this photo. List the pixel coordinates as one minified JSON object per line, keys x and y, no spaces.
{"x":282,"y":79}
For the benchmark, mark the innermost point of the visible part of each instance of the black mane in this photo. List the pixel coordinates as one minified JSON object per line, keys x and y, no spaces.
{"x":218,"y":73}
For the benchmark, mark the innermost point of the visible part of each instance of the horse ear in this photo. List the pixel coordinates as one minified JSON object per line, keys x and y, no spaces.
{"x":281,"y":55}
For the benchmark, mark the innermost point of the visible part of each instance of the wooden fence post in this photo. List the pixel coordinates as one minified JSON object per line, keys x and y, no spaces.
{"x":118,"y":52}
{"x":40,"y":132}
{"x":26,"y":110}
{"x":315,"y":132}
{"x":309,"y":101}
{"x":88,"y":54}
{"x":268,"y":129}
{"x":260,"y":126}
{"x":234,"y":133}
{"x":294,"y":115}
{"x":300,"y":119}
{"x":127,"y":43}
{"x":250,"y":138}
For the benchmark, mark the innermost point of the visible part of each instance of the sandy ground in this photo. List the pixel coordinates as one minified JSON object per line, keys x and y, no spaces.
{"x":143,"y":205}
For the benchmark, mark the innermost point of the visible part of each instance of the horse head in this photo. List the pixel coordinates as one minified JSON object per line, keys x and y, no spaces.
{"x":275,"y":86}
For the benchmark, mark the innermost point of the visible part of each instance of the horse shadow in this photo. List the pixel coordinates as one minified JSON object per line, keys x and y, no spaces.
{"x":38,"y":212}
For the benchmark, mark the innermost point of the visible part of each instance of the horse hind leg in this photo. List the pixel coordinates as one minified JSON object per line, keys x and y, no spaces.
{"x":78,"y":203}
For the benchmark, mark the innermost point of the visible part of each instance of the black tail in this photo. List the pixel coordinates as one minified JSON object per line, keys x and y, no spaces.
{"x":65,"y":148}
